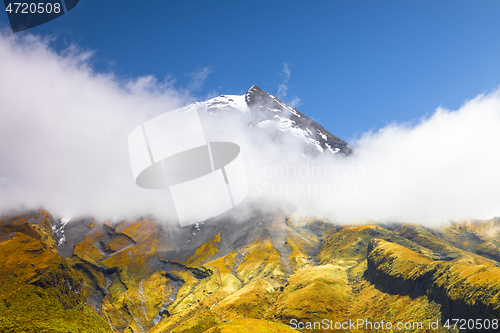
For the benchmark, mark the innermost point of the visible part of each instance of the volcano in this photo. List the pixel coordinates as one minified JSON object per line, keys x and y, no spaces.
{"x":269,"y":271}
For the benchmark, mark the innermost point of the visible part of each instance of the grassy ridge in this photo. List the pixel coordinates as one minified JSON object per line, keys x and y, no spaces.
{"x":468,"y":291}
{"x":312,"y":294}
{"x":39,"y":291}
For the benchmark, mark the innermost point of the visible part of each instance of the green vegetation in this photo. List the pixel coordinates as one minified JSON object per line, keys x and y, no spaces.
{"x":371,"y":303}
{"x":349,"y":245}
{"x":468,"y":289}
{"x":39,"y":291}
{"x":312,"y":294}
{"x":294,"y":268}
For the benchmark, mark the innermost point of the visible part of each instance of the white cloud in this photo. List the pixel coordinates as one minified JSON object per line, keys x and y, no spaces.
{"x":63,"y":146}
{"x":64,"y":129}
{"x":198,"y":78}
{"x":283,"y":87}
{"x":295,"y":103}
{"x":444,"y":167}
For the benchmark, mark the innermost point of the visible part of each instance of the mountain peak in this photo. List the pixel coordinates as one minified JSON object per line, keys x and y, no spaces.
{"x":256,"y":96}
{"x":273,"y":110}
{"x":254,"y":88}
{"x":264,"y":110}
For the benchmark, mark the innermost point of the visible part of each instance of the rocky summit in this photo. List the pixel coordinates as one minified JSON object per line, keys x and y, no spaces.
{"x":261,"y":110}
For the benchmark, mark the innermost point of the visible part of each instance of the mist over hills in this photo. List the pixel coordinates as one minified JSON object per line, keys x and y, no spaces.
{"x":70,"y":155}
{"x":264,"y":266}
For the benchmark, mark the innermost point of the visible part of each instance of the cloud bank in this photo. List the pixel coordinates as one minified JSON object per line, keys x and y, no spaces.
{"x":63,"y":147}
{"x":64,"y":128}
{"x":444,"y":167}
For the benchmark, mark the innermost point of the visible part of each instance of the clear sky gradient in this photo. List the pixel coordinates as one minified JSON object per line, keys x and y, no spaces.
{"x":354,"y":65}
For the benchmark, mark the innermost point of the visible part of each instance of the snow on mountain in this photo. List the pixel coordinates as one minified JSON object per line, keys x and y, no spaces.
{"x":224,"y":102}
{"x":58,"y":230}
{"x":267,"y":111}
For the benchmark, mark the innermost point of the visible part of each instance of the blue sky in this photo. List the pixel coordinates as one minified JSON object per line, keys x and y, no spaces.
{"x":354,"y":65}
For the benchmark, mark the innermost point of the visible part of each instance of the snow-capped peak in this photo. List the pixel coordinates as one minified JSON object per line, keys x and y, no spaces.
{"x":227,"y":102}
{"x":268,"y":111}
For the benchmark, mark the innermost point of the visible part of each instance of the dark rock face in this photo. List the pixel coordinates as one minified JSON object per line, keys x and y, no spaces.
{"x":67,"y":235}
{"x":262,"y":104}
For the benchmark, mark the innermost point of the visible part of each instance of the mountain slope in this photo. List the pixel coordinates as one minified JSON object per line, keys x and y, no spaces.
{"x":226,"y":275}
{"x":39,"y":291}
